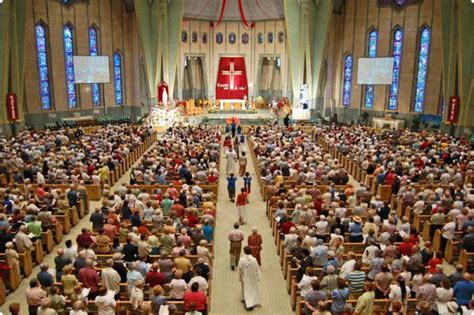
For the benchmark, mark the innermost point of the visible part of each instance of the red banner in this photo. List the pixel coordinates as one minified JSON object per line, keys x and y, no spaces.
{"x":12,"y":107}
{"x":453,"y":109}
{"x":231,"y":79}
{"x":163,"y":96}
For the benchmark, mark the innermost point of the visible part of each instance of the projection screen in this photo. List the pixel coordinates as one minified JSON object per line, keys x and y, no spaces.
{"x":375,"y":71}
{"x":88,"y":69}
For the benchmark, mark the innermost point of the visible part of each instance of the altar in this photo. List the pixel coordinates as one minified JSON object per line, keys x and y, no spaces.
{"x":232,"y":104}
{"x":393,"y":124}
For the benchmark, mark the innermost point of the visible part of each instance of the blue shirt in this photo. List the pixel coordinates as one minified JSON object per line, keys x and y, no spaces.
{"x":247,"y":181}
{"x":231,"y":182}
{"x":339,"y":297}
{"x":463,"y":291}
{"x":355,"y":229}
{"x":45,"y":279}
{"x":208,"y":230}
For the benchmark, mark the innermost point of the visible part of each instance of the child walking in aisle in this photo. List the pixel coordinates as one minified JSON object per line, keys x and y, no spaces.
{"x":247,"y":182}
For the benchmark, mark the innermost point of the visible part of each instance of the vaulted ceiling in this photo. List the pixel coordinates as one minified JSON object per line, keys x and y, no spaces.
{"x":254,"y":10}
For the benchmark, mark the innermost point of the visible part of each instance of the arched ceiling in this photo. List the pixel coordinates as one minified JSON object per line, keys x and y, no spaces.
{"x":254,"y":10}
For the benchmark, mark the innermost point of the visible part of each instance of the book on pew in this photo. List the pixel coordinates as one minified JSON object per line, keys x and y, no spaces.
{"x":85,"y":292}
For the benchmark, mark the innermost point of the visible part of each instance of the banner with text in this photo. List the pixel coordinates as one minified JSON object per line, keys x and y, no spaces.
{"x":453,"y":109}
{"x":231,"y":79}
{"x":12,"y":107}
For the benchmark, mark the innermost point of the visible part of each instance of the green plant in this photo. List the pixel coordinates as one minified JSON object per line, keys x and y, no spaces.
{"x":415,"y":123}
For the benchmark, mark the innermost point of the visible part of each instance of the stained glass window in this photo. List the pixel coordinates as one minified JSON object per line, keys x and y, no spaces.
{"x":270,"y":37}
{"x":93,"y":51}
{"x":219,"y":38}
{"x":118,"y":78}
{"x":43,"y":67}
{"x":347,"y":87}
{"x":281,"y":37}
{"x":397,"y":62}
{"x":69,"y":65}
{"x":184,"y":37}
{"x":369,"y":90}
{"x":245,"y":38}
{"x":260,"y":38}
{"x":423,"y":54}
{"x":232,"y":38}
{"x":194,"y":37}
{"x":204,"y":38}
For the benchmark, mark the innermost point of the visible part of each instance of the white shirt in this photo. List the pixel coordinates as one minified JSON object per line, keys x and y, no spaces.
{"x":203,"y":286}
{"x":71,"y":253}
{"x":321,"y":227}
{"x":448,"y":230}
{"x":105,"y":304}
{"x":305,"y":284}
{"x":347,"y":267}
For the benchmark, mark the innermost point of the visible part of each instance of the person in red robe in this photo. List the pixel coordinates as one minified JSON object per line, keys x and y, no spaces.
{"x":255,"y":243}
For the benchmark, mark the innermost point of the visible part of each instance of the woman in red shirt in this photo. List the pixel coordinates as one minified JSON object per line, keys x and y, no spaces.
{"x":435,"y":261}
{"x":196,"y":297}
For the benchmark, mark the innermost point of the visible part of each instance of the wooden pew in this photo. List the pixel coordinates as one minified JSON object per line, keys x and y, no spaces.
{"x":26,"y":262}
{"x":64,"y":221}
{"x":47,"y":241}
{"x":39,"y":254}
{"x":467,"y":260}
{"x":453,"y":248}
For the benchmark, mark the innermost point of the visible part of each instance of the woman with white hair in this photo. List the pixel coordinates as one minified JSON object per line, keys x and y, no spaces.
{"x":203,"y":252}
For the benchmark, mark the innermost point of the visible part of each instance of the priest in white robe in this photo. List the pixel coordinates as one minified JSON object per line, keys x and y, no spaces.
{"x":231,"y":156}
{"x":249,"y":274}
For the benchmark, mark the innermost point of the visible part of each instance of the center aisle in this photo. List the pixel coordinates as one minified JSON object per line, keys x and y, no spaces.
{"x":226,"y":287}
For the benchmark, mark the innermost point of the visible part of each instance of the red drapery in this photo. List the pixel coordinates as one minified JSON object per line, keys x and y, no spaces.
{"x":242,"y":15}
{"x":231,"y":79}
{"x":214,"y":25}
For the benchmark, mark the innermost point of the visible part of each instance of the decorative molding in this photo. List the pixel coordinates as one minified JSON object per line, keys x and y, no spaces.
{"x":398,"y":5}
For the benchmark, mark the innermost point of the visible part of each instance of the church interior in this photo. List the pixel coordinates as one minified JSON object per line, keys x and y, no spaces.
{"x":196,"y":157}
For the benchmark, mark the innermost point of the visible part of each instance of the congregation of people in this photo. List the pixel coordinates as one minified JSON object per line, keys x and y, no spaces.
{"x":347,"y":246}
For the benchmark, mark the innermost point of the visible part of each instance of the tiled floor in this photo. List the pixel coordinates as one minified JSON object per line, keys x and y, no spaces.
{"x":226,"y":290}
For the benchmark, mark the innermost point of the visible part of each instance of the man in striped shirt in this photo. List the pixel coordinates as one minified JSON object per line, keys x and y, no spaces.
{"x":34,"y":296}
{"x":356,"y":279}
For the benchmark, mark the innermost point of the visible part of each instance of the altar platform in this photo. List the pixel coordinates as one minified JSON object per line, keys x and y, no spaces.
{"x":245,"y":117}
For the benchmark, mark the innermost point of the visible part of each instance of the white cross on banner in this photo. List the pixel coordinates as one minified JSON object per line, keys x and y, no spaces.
{"x":232,"y":73}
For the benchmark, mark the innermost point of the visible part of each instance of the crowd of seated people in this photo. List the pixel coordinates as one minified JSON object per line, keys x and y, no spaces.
{"x":293,"y":156}
{"x":143,"y":251}
{"x":412,"y":156}
{"x":347,"y":246}
{"x":68,"y":155}
{"x":182,"y":155}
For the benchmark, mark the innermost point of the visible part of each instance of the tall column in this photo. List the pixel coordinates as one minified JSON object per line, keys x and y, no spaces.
{"x":458,"y":64}
{"x":12,"y":52}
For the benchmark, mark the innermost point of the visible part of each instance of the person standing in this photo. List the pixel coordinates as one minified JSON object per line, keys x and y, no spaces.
{"x":235,"y":237}
{"x":286,"y":120}
{"x":241,"y":203}
{"x":231,"y":180}
{"x":231,"y":156}
{"x":247,"y":182}
{"x":34,"y":296}
{"x":242,"y":163}
{"x":365,"y":303}
{"x":249,"y":275}
{"x":254,"y":241}
{"x":111,"y":278}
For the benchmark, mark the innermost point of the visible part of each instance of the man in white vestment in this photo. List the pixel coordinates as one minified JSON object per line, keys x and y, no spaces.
{"x":231,"y":156}
{"x":249,"y":274}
